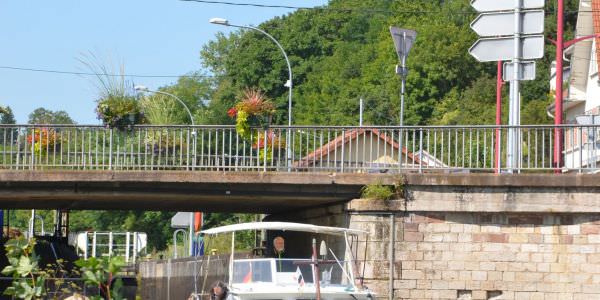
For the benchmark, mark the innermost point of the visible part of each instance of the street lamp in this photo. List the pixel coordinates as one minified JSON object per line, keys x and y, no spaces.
{"x":288,"y":84}
{"x":144,"y":89}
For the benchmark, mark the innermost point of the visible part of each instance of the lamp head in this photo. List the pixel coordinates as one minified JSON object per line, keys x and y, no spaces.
{"x":219,"y":21}
{"x":141,"y":88}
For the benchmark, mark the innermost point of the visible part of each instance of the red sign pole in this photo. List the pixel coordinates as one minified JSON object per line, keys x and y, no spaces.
{"x":498,"y":115}
{"x":558,"y":104}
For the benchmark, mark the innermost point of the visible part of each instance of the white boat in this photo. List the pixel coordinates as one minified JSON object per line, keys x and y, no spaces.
{"x":290,"y":278}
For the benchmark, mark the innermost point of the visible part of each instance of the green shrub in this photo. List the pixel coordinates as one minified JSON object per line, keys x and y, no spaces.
{"x":378,"y":191}
{"x":28,"y":279}
{"x":99,"y":272}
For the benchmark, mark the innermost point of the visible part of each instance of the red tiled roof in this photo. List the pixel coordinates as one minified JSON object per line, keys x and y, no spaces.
{"x":347,"y":137}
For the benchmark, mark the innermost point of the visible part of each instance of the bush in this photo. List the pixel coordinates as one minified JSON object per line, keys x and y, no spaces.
{"x":378,"y":191}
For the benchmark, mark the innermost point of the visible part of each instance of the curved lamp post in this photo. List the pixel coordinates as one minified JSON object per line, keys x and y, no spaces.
{"x":144,"y":89}
{"x":288,"y":84}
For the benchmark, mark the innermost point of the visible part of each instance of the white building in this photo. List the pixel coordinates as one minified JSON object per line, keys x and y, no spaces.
{"x":582,"y":89}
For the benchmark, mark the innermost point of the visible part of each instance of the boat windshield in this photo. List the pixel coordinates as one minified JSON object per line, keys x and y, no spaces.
{"x":286,"y":272}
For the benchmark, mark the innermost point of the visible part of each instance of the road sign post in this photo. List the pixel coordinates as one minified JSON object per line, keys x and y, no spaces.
{"x":403,"y":42}
{"x":511,"y":31}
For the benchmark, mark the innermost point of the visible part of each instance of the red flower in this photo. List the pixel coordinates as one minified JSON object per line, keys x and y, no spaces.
{"x":232,"y":112}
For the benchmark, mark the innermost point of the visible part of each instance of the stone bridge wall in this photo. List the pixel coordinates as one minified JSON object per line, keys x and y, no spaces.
{"x":528,"y":237}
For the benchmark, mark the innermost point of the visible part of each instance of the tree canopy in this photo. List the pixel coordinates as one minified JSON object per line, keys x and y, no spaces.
{"x":45,"y":116}
{"x":340,"y":56}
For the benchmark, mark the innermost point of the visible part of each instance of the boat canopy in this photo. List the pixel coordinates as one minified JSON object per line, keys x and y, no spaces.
{"x":284,"y":226}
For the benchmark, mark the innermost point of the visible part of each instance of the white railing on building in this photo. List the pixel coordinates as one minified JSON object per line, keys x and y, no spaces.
{"x":129,"y":245}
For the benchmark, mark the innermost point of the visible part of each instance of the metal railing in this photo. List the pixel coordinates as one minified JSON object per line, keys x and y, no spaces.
{"x":368,"y":149}
{"x":128,"y":245}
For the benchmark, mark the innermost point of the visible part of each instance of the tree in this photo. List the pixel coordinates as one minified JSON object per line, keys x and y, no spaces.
{"x":46,"y":116}
{"x":8,"y":134}
{"x":7,"y":116}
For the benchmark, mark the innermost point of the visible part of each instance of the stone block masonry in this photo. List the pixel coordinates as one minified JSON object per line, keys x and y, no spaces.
{"x":477,"y":236}
{"x":485,"y":255}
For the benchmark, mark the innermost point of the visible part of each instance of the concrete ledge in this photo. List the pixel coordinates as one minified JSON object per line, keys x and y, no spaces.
{"x":223,"y":177}
{"x":487,"y":199}
{"x":411,"y":179}
{"x":497,"y":180}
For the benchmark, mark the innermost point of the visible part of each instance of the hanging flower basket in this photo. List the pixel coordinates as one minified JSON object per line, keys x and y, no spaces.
{"x":254,"y":110}
{"x":119,"y":112}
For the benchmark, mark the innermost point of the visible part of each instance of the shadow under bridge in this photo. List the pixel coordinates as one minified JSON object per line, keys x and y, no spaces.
{"x":251,"y":192}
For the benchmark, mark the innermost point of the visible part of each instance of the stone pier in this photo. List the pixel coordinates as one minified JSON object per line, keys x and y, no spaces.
{"x":477,"y":237}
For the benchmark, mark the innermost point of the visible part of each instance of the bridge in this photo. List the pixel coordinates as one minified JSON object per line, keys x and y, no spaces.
{"x":186,"y":167}
{"x":516,"y":229}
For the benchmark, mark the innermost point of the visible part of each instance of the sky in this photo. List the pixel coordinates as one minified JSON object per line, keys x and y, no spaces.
{"x":150,"y":37}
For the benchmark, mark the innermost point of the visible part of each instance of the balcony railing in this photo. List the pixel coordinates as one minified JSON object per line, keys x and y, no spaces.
{"x":372,"y":149}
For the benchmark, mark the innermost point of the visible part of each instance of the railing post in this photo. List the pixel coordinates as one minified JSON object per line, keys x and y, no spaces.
{"x":110,"y":244}
{"x":288,"y":151}
{"x":127,"y":242}
{"x":342,"y":152}
{"x":264,"y":150}
{"x":187,"y":152}
{"x":110,"y":150}
{"x":421,"y":150}
{"x":400,"y":148}
{"x":32,"y":160}
{"x":85,"y":251}
{"x":94,"y":244}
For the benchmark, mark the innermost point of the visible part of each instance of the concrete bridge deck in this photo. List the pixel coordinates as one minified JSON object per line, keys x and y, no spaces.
{"x":178,"y":190}
{"x":269,"y":192}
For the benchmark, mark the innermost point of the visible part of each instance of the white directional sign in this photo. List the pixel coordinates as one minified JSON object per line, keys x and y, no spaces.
{"x":495,"y":5}
{"x":503,"y":23}
{"x":181,"y":220}
{"x":495,"y":49}
{"x":526,"y":72}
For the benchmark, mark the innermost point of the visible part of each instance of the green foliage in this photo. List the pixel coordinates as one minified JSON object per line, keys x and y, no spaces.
{"x":378,"y":191}
{"x":8,"y":135}
{"x":4,"y":110}
{"x":242,"y":126}
{"x":342,"y":56}
{"x":222,"y":243}
{"x":45,"y":116}
{"x":7,"y":116}
{"x":155,"y":224}
{"x":100,"y":272}
{"x":28,"y":279}
{"x":161,"y":109}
